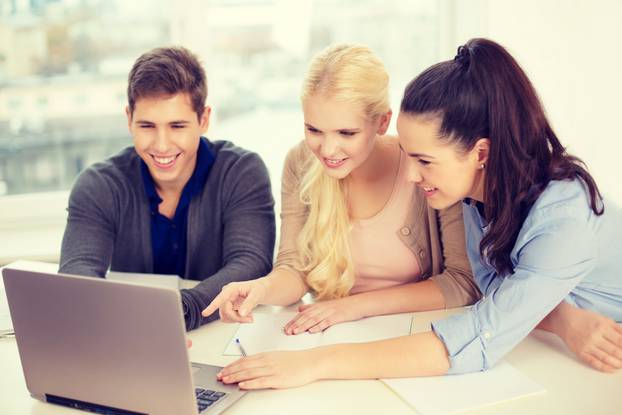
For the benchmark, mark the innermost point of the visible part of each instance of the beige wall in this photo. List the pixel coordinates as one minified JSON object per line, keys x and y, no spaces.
{"x":572,"y":51}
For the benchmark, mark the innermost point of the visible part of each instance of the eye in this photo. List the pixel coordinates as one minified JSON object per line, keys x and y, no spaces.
{"x":145,"y":126}
{"x":178,"y":126}
{"x":423,"y":162}
{"x":347,"y":133}
{"x":313,"y":130}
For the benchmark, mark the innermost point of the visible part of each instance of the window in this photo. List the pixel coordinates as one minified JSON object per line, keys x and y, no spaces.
{"x":64,"y":66}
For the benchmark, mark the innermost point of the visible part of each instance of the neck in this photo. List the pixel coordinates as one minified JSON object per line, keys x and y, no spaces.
{"x":174,"y":188}
{"x":375,"y":167}
{"x":168,"y":190}
{"x":477,"y":193}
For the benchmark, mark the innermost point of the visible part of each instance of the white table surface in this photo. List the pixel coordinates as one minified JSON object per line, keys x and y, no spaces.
{"x":572,"y":388}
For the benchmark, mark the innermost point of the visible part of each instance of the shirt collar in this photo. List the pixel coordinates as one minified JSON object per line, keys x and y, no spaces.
{"x":205,"y":160}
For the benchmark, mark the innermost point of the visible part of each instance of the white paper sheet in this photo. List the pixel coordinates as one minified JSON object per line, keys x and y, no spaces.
{"x":452,"y":394}
{"x":266,"y":333}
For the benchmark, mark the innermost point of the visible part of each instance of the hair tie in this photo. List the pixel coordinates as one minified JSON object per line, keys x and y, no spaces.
{"x":463,"y":55}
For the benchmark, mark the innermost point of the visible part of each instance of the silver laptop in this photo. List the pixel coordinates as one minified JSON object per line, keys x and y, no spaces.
{"x":108,"y":347}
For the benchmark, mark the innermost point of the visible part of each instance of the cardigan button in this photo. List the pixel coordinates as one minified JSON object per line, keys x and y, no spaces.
{"x":405,"y":231}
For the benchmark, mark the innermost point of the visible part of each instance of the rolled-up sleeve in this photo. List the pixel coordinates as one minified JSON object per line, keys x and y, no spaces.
{"x":456,"y":279}
{"x":553,"y":254}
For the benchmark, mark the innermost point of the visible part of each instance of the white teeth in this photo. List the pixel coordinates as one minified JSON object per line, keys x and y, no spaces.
{"x":164,"y":160}
{"x":429,"y":189}
{"x":334,"y":161}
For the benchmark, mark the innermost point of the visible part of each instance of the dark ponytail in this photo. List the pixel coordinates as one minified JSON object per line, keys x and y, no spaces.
{"x":483,"y":93}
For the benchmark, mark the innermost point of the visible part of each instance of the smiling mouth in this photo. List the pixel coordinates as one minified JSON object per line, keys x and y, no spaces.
{"x":165,"y":161}
{"x":334,"y":162}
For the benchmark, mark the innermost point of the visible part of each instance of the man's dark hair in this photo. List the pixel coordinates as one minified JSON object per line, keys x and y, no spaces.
{"x":168,"y":71}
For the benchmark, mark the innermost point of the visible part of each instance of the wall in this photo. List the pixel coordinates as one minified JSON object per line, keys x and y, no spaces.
{"x":572,"y":52}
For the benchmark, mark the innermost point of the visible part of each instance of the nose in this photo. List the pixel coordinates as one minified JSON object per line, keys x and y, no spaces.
{"x":413,"y":172}
{"x":330,"y":146}
{"x":161,"y":143}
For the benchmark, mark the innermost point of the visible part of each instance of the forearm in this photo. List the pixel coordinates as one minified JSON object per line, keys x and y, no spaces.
{"x":283,"y":287}
{"x":555,"y":321}
{"x":421,"y":354}
{"x":418,"y":296}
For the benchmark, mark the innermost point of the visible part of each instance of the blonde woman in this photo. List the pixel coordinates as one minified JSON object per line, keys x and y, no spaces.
{"x":355,"y":232}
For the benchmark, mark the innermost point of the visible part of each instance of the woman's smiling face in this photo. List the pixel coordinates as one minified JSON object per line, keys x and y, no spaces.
{"x":445,"y":172}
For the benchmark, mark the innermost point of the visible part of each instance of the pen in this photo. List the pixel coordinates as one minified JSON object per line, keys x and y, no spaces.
{"x":5,"y":334}
{"x":237,"y":341}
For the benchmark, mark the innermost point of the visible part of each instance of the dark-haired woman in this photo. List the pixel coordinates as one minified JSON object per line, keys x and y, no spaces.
{"x":542,"y":242}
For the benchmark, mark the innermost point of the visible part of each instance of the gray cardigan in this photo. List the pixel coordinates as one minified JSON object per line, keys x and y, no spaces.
{"x":231,"y":227}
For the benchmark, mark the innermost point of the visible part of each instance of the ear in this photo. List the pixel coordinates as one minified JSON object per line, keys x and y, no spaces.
{"x":480,"y":152}
{"x":385,"y":120}
{"x":204,"y":119}
{"x":128,"y":114}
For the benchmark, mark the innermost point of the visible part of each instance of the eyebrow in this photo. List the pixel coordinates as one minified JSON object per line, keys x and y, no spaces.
{"x":170,"y":122}
{"x":354,"y":130}
{"x":417,"y":154}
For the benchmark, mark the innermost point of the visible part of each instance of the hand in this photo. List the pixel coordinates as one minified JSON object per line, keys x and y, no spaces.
{"x":237,"y":300}
{"x":274,"y":370}
{"x":319,"y":316}
{"x":595,"y":339}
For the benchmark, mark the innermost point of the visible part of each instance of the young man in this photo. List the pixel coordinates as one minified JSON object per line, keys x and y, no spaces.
{"x":175,"y":202}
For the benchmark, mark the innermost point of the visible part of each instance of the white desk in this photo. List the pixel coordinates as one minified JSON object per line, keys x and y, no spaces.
{"x":572,"y":388}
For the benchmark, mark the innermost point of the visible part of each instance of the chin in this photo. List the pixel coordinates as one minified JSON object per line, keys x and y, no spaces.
{"x":336,"y":174}
{"x":440,"y":204}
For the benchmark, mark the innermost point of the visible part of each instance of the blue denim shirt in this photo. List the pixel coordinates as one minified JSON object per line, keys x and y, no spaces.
{"x":563,"y":252}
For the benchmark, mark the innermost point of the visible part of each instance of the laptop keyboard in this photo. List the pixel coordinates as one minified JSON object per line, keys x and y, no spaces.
{"x":206,"y":398}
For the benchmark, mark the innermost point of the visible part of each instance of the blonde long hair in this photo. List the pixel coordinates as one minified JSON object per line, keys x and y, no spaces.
{"x":349,"y":74}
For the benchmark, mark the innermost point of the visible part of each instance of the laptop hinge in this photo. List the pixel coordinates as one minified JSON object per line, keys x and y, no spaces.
{"x":87,"y":406}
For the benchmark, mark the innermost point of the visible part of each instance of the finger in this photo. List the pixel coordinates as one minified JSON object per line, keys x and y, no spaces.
{"x":300,"y":319}
{"x":615,"y":335}
{"x":247,"y":374}
{"x":321,"y":326}
{"x":596,"y":359}
{"x":303,"y":307}
{"x":217,"y":302}
{"x":322,"y":319}
{"x":259,"y":383}
{"x":250,"y":302}
{"x":227,"y":313}
{"x":230,"y":315}
{"x":243,"y":363}
{"x":610,"y":354}
{"x":612,"y":344}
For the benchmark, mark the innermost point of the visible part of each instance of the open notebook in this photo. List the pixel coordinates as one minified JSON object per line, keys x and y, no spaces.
{"x":266,"y":333}
{"x":452,"y":394}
